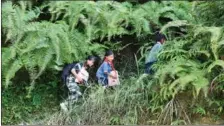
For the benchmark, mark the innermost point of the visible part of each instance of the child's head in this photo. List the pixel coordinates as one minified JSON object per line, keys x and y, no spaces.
{"x":109,"y":55}
{"x":160,"y":38}
{"x":90,"y":60}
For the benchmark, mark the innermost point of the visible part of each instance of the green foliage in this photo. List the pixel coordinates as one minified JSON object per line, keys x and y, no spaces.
{"x":115,"y":120}
{"x":122,"y":105}
{"x":199,"y":110}
{"x":210,"y":12}
{"x":109,"y":18}
{"x":38,"y":46}
{"x":17,"y":108}
{"x":15,"y":19}
{"x":41,"y":45}
{"x":190,"y":62}
{"x":216,"y":105}
{"x":179,"y":67}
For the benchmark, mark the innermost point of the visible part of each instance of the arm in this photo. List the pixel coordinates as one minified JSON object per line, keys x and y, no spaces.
{"x":110,"y":75}
{"x":106,"y":71}
{"x":75,"y":74}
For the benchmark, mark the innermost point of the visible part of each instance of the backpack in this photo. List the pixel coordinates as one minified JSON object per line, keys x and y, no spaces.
{"x":67,"y":71}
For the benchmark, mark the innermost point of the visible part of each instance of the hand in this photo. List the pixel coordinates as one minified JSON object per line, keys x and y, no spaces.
{"x":80,"y":80}
{"x":114,"y":77}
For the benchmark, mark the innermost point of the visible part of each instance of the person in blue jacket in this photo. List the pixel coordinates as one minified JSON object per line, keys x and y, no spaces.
{"x":104,"y":70}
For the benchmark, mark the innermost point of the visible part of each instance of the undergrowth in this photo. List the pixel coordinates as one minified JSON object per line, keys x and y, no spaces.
{"x":189,"y":77}
{"x":18,"y":108}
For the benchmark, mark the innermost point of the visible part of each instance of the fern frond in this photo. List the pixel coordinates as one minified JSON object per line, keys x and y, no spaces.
{"x":8,"y":54}
{"x":176,"y":23}
{"x":16,"y":65}
{"x":15,"y":19}
{"x":216,"y":34}
{"x":215,"y":63}
{"x":201,"y":84}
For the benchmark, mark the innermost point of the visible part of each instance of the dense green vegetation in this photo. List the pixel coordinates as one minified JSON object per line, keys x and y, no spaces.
{"x":40,"y":37}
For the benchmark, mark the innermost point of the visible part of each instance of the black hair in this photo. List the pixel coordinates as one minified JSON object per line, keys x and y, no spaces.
{"x":159,"y":36}
{"x":108,"y":53}
{"x":93,"y":58}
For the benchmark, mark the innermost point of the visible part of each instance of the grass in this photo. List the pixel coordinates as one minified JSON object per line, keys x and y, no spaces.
{"x":135,"y":101}
{"x":126,"y":104}
{"x":129,"y":104}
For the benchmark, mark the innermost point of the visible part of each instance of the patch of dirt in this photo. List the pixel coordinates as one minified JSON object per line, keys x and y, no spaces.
{"x":208,"y":120}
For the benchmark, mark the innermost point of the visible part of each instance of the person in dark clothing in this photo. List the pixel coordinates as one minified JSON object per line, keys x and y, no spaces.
{"x":73,"y":80}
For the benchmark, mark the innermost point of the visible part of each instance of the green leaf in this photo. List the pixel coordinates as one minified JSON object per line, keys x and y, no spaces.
{"x":176,"y":23}
{"x":216,"y":63}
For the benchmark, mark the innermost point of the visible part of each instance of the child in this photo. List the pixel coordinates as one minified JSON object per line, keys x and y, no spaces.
{"x":104,"y":71}
{"x":152,"y":56}
{"x":74,"y":79}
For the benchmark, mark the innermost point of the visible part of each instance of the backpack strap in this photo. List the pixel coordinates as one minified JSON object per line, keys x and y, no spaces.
{"x":80,"y":65}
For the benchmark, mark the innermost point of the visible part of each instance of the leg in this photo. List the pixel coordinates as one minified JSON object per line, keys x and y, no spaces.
{"x":103,"y":82}
{"x":74,"y":93}
{"x":148,"y":68}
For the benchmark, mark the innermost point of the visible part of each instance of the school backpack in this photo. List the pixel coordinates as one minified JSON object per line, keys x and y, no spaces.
{"x":67,"y":70}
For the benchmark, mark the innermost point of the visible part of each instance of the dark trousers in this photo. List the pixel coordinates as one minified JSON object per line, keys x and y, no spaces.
{"x":148,"y":68}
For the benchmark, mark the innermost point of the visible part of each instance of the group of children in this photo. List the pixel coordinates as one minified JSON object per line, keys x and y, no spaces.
{"x":73,"y":79}
{"x":104,"y":71}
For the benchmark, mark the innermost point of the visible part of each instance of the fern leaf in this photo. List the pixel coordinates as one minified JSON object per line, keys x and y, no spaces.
{"x":216,"y":63}
{"x":216,"y":34}
{"x":176,"y":23}
{"x":199,"y":84}
{"x":16,"y":65}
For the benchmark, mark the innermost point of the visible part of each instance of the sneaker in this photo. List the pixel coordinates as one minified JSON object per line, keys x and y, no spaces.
{"x":104,"y":87}
{"x":79,"y":93}
{"x":63,"y":107}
